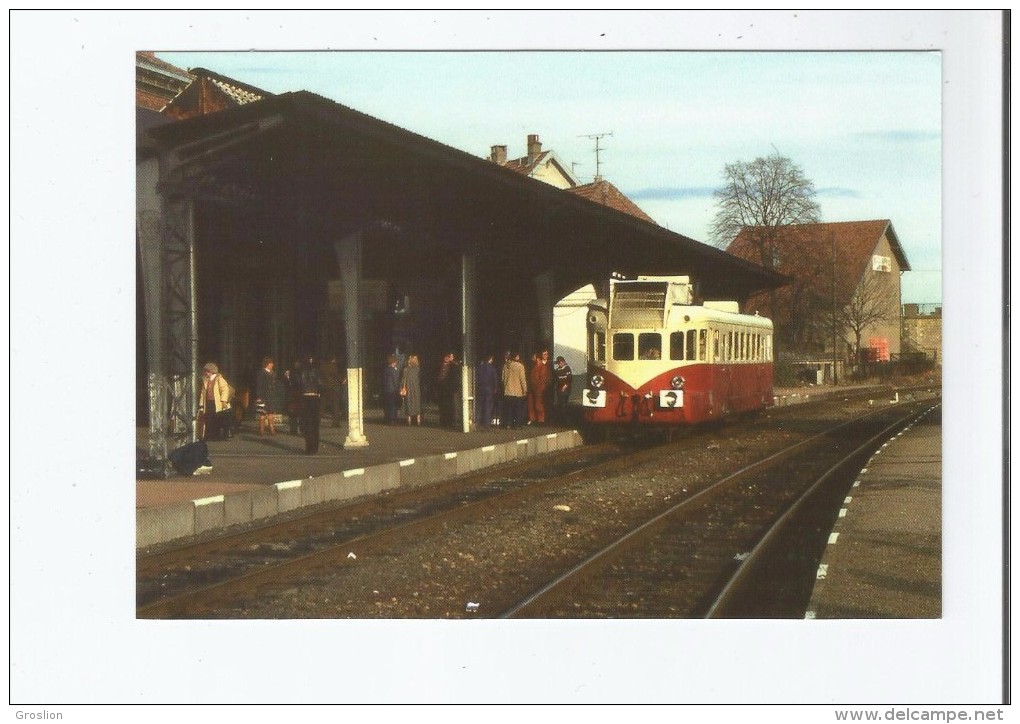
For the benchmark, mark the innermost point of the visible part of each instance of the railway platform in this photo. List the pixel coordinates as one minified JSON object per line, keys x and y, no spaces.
{"x":884,"y":556}
{"x":256,"y":477}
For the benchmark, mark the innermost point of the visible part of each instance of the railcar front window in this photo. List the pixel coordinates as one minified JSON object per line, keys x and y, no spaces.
{"x":702,"y":344}
{"x":650,"y":345}
{"x":692,"y":347}
{"x":623,"y":346}
{"x":676,"y":346}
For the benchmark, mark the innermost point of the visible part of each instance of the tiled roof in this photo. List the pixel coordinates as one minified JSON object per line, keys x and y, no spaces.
{"x":240,"y":92}
{"x":210,"y":93}
{"x":603,"y":192}
{"x":804,"y":249}
{"x":521,"y":165}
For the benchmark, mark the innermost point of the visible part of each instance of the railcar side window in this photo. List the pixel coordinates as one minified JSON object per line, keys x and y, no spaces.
{"x":650,"y":345}
{"x":623,"y":346}
{"x":716,"y":334}
{"x":676,"y":345}
{"x":691,"y":347}
{"x":702,"y":344}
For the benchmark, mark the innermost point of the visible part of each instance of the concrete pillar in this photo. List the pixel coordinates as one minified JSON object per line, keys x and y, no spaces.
{"x":348,"y":254}
{"x":467,"y":319}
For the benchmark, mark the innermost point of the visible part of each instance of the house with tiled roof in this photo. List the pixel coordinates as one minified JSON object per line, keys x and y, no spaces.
{"x":602,"y":192}
{"x":846,"y":286}
{"x":544,"y":165}
{"x":211,"y":92}
{"x":157,"y":82}
{"x":177,"y":94}
{"x":540,"y":164}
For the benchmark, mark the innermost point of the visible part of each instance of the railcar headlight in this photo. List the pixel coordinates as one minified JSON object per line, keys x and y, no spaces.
{"x":677,"y":383}
{"x":597,"y":381}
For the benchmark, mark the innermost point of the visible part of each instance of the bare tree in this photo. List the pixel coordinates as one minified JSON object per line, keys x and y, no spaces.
{"x":760,"y":196}
{"x":872,"y":302}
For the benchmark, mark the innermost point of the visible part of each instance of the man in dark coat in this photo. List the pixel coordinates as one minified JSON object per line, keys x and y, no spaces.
{"x":391,"y":389}
{"x":563,"y":380}
{"x":486,"y":386}
{"x":309,"y":384}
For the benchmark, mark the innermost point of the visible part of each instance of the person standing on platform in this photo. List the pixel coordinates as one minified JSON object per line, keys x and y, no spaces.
{"x":410,"y":390}
{"x":214,"y":404}
{"x":486,"y":386}
{"x":310,"y":388}
{"x":267,"y":395}
{"x":391,"y":390}
{"x":538,"y":384}
{"x":292,"y":382}
{"x":515,"y":388}
{"x":448,"y":386}
{"x":563,"y":381}
{"x":330,"y":371}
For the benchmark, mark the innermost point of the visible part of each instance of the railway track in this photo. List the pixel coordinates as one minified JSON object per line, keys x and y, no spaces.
{"x":760,"y":563}
{"x":189,"y":580}
{"x":317,"y":565}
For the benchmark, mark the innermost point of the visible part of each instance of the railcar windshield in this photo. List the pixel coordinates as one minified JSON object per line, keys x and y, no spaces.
{"x":650,"y":345}
{"x":623,"y":346}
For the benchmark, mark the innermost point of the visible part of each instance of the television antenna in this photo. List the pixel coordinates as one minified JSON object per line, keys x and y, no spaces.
{"x":598,"y":137}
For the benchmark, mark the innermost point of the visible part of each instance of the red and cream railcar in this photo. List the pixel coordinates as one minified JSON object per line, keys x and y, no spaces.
{"x":657,"y":359}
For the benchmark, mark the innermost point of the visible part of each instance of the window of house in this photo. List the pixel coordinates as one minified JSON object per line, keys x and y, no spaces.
{"x":881,"y":263}
{"x":623,"y":346}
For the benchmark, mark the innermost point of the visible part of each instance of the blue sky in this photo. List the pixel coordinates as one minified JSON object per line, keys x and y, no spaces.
{"x":864,"y":126}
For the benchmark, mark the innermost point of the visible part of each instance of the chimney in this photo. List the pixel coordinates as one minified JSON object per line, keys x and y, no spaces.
{"x":534,"y":147}
{"x":497,"y":154}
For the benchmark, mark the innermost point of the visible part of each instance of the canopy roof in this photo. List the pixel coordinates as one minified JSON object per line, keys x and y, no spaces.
{"x":342,"y":170}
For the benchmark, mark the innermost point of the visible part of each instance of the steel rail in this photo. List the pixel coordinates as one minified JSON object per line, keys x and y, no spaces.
{"x":338,"y":553}
{"x":732,"y":589}
{"x":682,"y":506}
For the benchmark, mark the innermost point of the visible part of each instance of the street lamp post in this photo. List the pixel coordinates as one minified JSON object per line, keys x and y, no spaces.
{"x":835,"y":355}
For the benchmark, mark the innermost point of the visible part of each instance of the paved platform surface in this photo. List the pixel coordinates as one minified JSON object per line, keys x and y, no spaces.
{"x":884,"y":558}
{"x":256,"y":477}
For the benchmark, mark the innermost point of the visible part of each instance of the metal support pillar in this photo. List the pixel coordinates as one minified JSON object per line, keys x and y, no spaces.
{"x":166,"y":236}
{"x":545,"y":304}
{"x":150,"y":249}
{"x":467,"y":320}
{"x":348,"y":254}
{"x":179,"y":308}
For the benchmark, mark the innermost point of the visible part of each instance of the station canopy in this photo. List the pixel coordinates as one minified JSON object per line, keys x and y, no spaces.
{"x":298,"y":155}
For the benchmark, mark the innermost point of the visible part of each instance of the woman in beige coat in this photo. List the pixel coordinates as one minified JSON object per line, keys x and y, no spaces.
{"x":214,"y":403}
{"x":515,"y":389}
